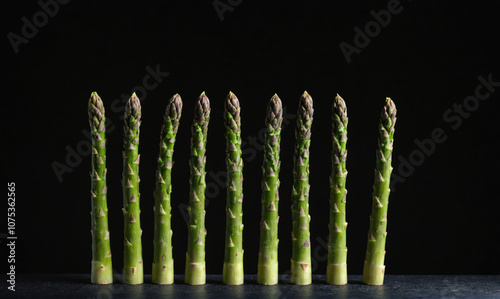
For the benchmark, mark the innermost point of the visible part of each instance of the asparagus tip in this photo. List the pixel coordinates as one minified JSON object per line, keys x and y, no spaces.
{"x":133,"y":107}
{"x":339,"y":103}
{"x":274,"y":112}
{"x":339,"y":108}
{"x":390,"y":105}
{"x":232,"y":106}
{"x":202,"y":109}
{"x":203,"y":100}
{"x":276,"y":99}
{"x":306,"y":99}
{"x":389,"y":111}
{"x":96,"y":106}
{"x":174,"y":107}
{"x":176,"y":99}
{"x":94,"y":96}
{"x":232,"y":101}
{"x":305,"y":109}
{"x":134,"y":99}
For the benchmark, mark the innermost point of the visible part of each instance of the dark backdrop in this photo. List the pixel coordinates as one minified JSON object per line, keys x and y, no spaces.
{"x":443,"y":215}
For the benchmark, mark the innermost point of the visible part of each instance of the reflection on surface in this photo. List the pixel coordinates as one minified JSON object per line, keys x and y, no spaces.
{"x":197,"y":291}
{"x":236,"y":292}
{"x":305,"y":291}
{"x":268,"y":292}
{"x":135,"y":291}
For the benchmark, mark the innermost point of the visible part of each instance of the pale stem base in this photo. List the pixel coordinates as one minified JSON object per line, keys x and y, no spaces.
{"x":101,"y":274}
{"x":373,"y":274}
{"x":133,"y":275}
{"x":267,"y":274}
{"x":232,"y":273}
{"x":195,"y":273}
{"x":336,"y":274}
{"x":300,"y":273}
{"x":163,"y":274}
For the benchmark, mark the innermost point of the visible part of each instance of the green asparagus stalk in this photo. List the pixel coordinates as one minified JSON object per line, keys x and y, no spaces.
{"x":374,"y":269}
{"x":336,"y":272}
{"x":300,"y":269}
{"x":195,"y":273}
{"x":163,"y":264}
{"x":102,"y":270}
{"x":232,"y":271}
{"x":267,"y":267}
{"x":132,"y":265}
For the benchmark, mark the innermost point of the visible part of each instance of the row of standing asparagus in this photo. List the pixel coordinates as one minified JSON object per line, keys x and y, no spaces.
{"x":267,"y":267}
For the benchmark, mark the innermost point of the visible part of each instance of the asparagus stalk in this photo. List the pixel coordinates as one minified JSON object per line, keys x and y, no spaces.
{"x":232,"y":271}
{"x":102,"y":270}
{"x":373,"y":271}
{"x":163,"y":264}
{"x":267,"y":267}
{"x":300,"y":269}
{"x":195,"y":273}
{"x":132,"y":264}
{"x":336,"y":272}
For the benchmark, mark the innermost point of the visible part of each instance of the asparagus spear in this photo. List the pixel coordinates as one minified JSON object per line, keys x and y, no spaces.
{"x":132,"y":265}
{"x":195,"y":273}
{"x":301,"y":251}
{"x":102,"y":270}
{"x":163,"y":264}
{"x":336,"y":272}
{"x":373,"y":271}
{"x":232,"y":271}
{"x":267,"y":267}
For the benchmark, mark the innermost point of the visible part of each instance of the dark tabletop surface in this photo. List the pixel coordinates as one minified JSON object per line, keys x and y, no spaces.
{"x":396,"y":286}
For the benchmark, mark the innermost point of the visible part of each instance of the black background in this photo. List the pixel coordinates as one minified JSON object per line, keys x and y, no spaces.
{"x":443,"y":219}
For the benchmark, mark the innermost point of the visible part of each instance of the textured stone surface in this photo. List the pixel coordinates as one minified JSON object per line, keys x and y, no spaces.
{"x":396,"y":286}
